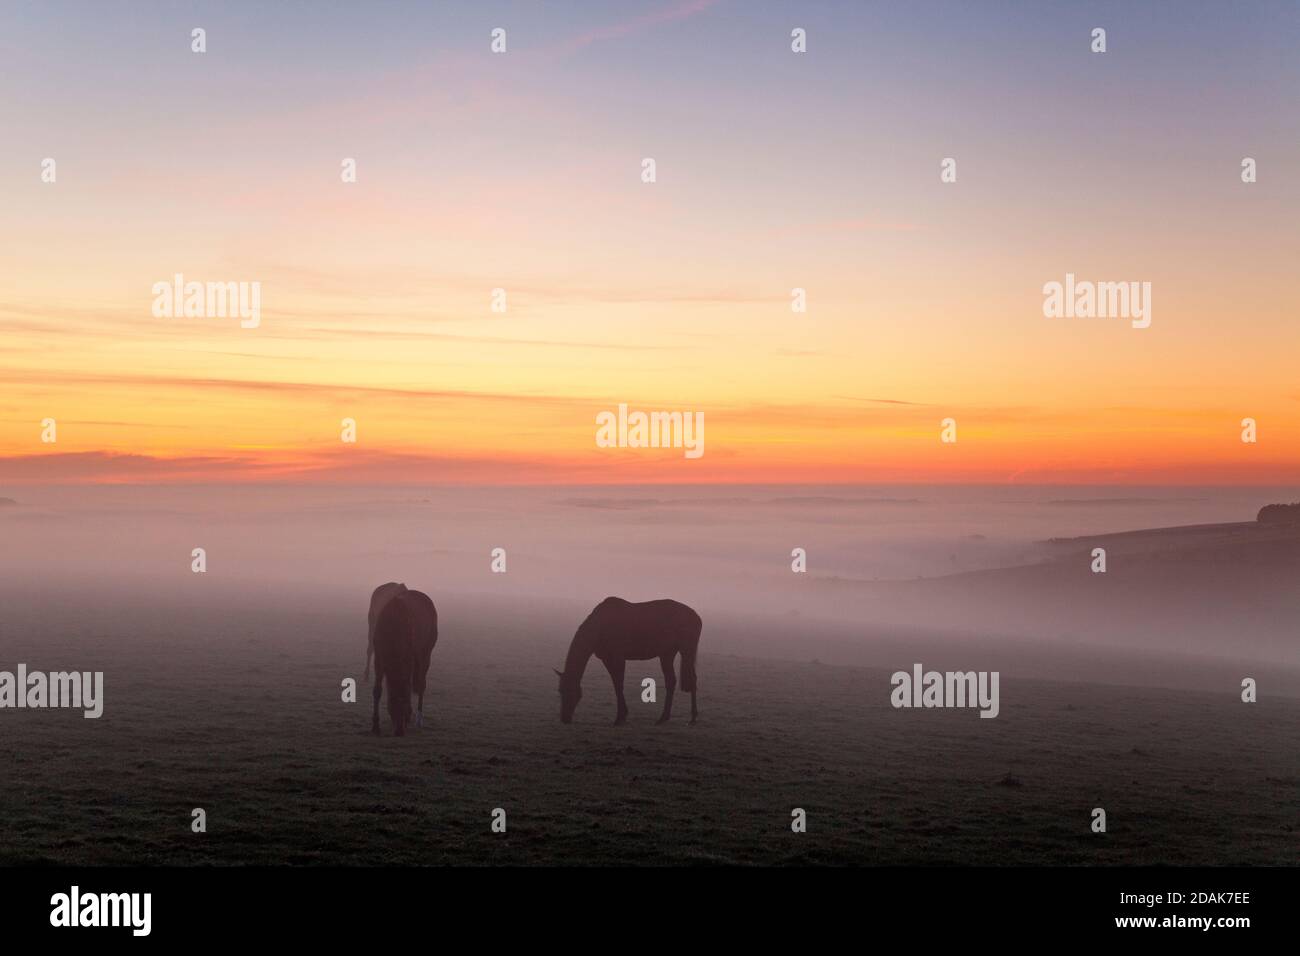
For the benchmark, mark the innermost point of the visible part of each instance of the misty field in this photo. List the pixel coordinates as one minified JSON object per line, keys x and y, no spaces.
{"x":237,"y":710}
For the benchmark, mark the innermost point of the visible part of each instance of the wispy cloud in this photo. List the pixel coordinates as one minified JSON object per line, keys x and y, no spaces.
{"x":350,"y":465}
{"x":356,"y":332}
{"x":617,"y":31}
{"x":85,"y":379}
{"x":879,"y":401}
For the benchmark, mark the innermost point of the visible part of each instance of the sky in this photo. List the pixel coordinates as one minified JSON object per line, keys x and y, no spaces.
{"x":775,"y":170}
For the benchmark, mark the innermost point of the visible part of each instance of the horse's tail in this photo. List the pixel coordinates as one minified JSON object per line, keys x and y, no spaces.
{"x":688,"y":661}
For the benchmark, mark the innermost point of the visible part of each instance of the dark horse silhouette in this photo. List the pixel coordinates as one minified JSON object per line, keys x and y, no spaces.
{"x":618,"y":631}
{"x":381,"y":596}
{"x":406,"y":631}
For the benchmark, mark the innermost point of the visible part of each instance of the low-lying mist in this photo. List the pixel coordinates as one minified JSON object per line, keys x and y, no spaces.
{"x":890,"y":564}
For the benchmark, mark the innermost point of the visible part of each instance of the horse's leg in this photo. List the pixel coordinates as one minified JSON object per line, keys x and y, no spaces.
{"x":690,"y":682}
{"x":670,"y":685}
{"x":421,"y":679}
{"x":370,"y":650}
{"x":375,"y":694}
{"x":616,"y":666}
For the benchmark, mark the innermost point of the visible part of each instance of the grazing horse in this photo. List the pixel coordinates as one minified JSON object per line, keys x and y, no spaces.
{"x":618,"y":631}
{"x":383,"y":594}
{"x":406,"y":630}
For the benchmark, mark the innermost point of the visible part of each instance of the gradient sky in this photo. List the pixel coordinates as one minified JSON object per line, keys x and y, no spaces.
{"x":775,"y":170}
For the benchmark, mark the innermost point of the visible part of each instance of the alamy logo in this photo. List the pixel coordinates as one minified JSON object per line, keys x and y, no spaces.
{"x":73,"y":689}
{"x":1098,"y":300}
{"x":103,"y":909}
{"x":950,"y":689}
{"x":208,"y":300}
{"x":651,"y":430}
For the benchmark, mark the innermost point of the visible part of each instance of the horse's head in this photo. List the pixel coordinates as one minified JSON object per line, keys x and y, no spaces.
{"x":570,"y":694}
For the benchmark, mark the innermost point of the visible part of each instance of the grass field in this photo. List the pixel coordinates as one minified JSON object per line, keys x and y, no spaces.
{"x":237,"y":710}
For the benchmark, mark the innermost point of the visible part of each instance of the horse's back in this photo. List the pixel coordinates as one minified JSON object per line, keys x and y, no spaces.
{"x":661,"y":611}
{"x":646,"y":629}
{"x":425,"y":621}
{"x":425,"y":616}
{"x":394,"y":636}
{"x":379,"y":599}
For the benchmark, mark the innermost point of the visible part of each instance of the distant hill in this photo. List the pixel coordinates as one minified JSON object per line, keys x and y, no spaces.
{"x":7,"y":502}
{"x":1279,"y":514}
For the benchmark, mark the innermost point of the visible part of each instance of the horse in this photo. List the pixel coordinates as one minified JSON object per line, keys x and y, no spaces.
{"x":618,"y":631}
{"x":381,"y":596}
{"x":406,"y":630}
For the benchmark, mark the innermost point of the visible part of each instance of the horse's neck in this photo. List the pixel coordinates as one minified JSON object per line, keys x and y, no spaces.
{"x":580,"y":651}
